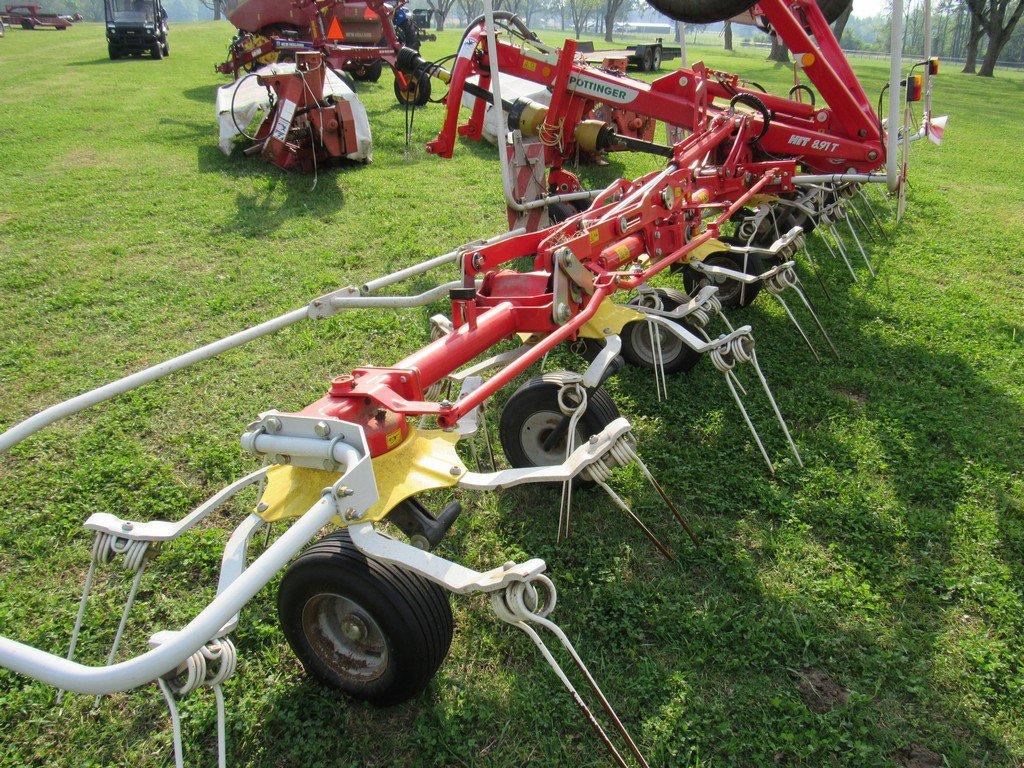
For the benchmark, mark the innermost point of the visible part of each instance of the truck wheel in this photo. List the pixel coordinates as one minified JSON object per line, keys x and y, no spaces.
{"x":676,"y":356}
{"x":157,"y":51}
{"x":647,"y":64}
{"x":371,"y":629}
{"x":113,"y":51}
{"x":731,"y":293}
{"x":27,"y":25}
{"x":656,"y":59}
{"x":532,"y":414}
{"x":167,"y":49}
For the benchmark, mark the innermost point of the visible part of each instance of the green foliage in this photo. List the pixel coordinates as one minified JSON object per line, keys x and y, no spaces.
{"x":890,"y":567}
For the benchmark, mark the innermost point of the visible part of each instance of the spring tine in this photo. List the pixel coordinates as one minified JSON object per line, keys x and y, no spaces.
{"x":793,"y":319}
{"x":872,"y":213}
{"x":605,"y":704}
{"x":817,"y":273}
{"x":179,"y":760}
{"x":775,"y":406}
{"x":564,"y":511}
{"x":487,"y":437}
{"x":90,"y":575}
{"x":661,"y":492}
{"x":132,"y":592}
{"x":864,"y":224}
{"x":640,"y":523}
{"x":856,"y":239}
{"x":222,"y":751}
{"x":601,"y":734}
{"x":810,"y":308}
{"x":738,"y":383}
{"x":842,"y":253}
{"x":659,"y":373}
{"x":750,"y":424}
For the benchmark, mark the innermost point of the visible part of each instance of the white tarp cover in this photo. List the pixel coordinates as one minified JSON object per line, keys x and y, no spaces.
{"x":512,"y":88}
{"x":249,"y":96}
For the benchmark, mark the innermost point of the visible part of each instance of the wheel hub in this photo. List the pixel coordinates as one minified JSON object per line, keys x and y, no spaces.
{"x":346,"y":637}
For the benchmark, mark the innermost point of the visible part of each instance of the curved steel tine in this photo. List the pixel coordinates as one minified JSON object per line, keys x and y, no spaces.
{"x":487,"y":437}
{"x":132,"y":592}
{"x":640,"y":523}
{"x":856,"y":239}
{"x":661,"y":492}
{"x":750,"y":424}
{"x":864,"y":224}
{"x":798,"y":287}
{"x":605,"y":704}
{"x":842,"y":252}
{"x":793,"y":319}
{"x":90,"y":576}
{"x":775,"y":406}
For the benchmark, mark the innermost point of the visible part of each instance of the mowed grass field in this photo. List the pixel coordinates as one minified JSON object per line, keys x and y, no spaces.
{"x":865,"y":610}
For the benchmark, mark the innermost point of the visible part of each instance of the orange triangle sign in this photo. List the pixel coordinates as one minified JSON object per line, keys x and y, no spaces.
{"x":334,"y":32}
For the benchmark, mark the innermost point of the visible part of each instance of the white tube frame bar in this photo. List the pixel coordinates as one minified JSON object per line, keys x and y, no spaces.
{"x":892,"y":165}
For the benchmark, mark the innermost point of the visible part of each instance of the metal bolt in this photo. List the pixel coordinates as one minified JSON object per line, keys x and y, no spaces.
{"x":262,"y":507}
{"x":279,"y":459}
{"x":446,"y":403}
{"x":273,"y":423}
{"x":420,"y":542}
{"x":322,"y":429}
{"x":455,"y":471}
{"x":351,"y":514}
{"x":127,"y":526}
{"x":822,"y":116}
{"x":561,"y":312}
{"x":593,"y":440}
{"x":683,"y":81}
{"x":353,"y":628}
{"x":344,"y":491}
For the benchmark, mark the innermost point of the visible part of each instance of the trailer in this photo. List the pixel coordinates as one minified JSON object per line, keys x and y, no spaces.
{"x":33,"y":16}
{"x":646,"y":57}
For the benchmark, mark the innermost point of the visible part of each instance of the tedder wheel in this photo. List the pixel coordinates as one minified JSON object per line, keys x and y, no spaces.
{"x":418,"y":92}
{"x":559,"y":212}
{"x":636,"y":340}
{"x":372,"y":629}
{"x":368,"y":73}
{"x":731,"y":293}
{"x":531,"y":417}
{"x":711,"y":11}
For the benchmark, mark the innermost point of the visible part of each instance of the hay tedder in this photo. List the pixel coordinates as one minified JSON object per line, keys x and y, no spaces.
{"x":366,"y":611}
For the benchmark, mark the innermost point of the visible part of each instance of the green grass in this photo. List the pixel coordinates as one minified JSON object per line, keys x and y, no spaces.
{"x":890,"y":566}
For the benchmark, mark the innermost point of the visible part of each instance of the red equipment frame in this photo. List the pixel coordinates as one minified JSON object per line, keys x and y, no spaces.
{"x":314,"y":15}
{"x":31,"y":16}
{"x":845,"y":135}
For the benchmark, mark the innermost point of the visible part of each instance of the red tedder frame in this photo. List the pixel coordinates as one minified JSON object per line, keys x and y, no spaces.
{"x":843,"y":135}
{"x":633,"y":229}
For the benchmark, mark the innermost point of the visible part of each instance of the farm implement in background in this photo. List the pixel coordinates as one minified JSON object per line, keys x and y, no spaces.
{"x":34,"y":17}
{"x":355,"y":36}
{"x":366,"y":612}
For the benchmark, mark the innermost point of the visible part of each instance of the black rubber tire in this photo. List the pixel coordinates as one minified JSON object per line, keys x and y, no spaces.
{"x":729,"y":291}
{"x":157,"y":51}
{"x":368,"y":73}
{"x":167,"y":49}
{"x":540,"y":396}
{"x":636,"y":341}
{"x":711,"y":11}
{"x":412,"y":614}
{"x":656,"y":59}
{"x":27,"y":25}
{"x":418,"y":95}
{"x":559,"y":212}
{"x":113,"y":52}
{"x":647,"y":63}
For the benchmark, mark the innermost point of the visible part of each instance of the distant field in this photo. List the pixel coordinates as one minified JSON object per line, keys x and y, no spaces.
{"x":864,"y":611}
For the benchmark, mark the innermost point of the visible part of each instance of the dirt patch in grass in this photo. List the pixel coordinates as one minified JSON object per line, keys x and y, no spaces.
{"x":820,"y":692}
{"x":853,"y":395}
{"x":916,"y":756}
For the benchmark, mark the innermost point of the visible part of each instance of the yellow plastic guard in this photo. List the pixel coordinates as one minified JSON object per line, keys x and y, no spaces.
{"x":422,"y":462}
{"x":609,"y":319}
{"x":704,"y":250}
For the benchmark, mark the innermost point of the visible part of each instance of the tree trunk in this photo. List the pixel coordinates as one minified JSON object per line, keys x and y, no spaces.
{"x":779,"y":52}
{"x":971,"y":57}
{"x":727,"y":35}
{"x":609,"y":22}
{"x":840,"y":26}
{"x":216,"y":10}
{"x":440,"y":21}
{"x":561,"y":9}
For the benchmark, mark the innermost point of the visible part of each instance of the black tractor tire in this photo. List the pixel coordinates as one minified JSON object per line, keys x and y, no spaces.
{"x":113,"y":51}
{"x":530,"y":415}
{"x":731,"y":293}
{"x":676,"y":356}
{"x":368,"y":73}
{"x":418,"y":93}
{"x":711,"y":11}
{"x":371,"y":629}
